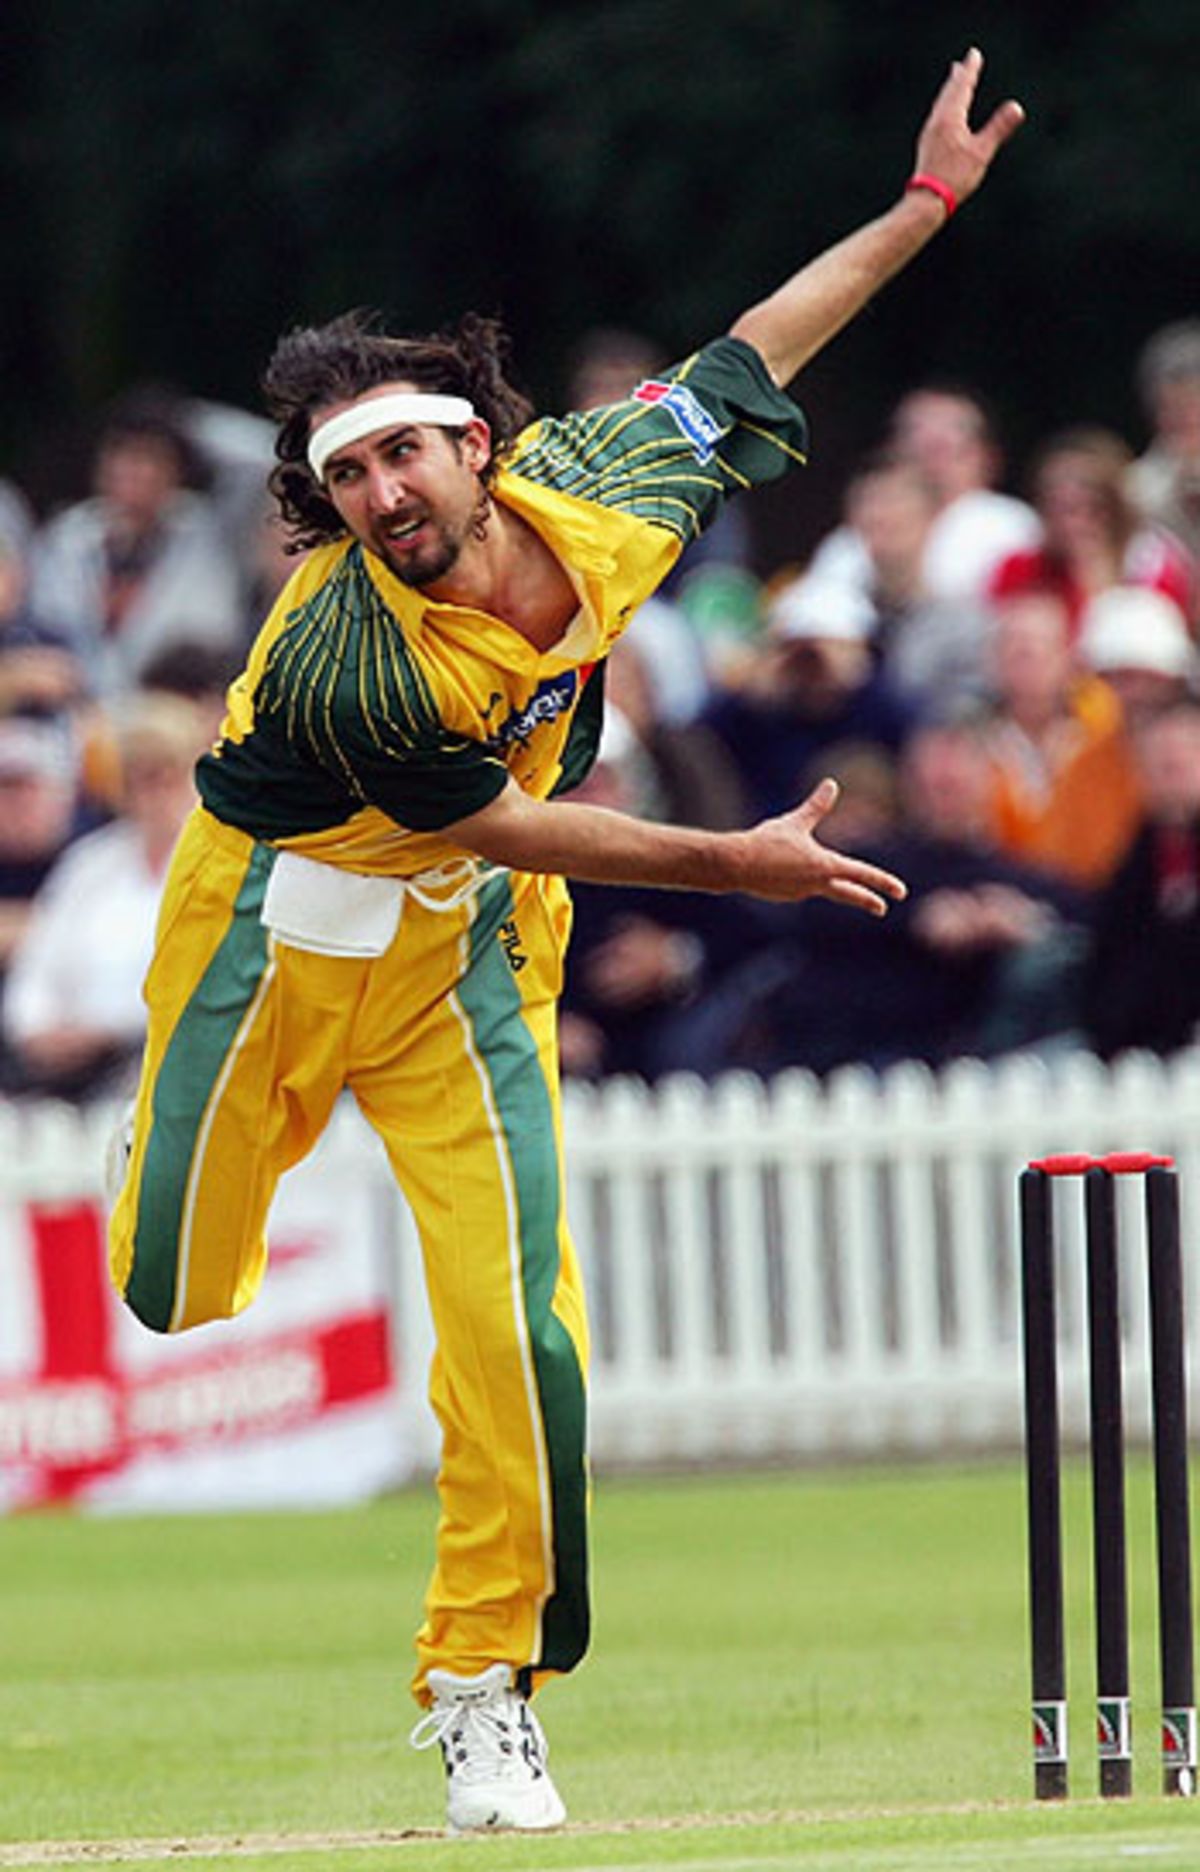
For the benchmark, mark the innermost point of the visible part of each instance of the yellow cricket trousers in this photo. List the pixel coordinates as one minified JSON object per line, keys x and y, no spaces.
{"x":448,"y":1043}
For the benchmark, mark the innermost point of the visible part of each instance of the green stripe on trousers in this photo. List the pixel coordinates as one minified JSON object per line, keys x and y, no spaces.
{"x":195,"y":1055}
{"x":492,"y":1002}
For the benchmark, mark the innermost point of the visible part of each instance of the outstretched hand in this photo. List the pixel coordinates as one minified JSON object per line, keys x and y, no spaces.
{"x":947,"y":146}
{"x":785,"y":861}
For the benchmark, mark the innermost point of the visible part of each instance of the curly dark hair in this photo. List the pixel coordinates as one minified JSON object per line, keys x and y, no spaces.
{"x":321,"y":364}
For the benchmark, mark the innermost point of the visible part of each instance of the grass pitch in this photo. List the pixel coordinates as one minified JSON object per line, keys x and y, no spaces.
{"x":813,"y":1670}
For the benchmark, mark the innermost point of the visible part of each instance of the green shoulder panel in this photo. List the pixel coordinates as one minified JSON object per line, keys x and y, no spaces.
{"x":713,"y":425}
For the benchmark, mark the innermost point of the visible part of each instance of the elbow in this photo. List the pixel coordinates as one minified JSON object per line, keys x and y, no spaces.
{"x":749,"y":329}
{"x":498,"y":834}
{"x":781,"y":359}
{"x":485,"y":843}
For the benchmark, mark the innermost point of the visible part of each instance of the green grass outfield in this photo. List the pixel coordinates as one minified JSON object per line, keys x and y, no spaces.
{"x":820,"y":1670}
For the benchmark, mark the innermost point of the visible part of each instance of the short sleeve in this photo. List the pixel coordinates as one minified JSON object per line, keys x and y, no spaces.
{"x":754,"y":429}
{"x":680,"y":444}
{"x":430,"y":782}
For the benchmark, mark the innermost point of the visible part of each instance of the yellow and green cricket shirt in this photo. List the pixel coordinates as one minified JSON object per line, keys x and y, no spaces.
{"x":369,"y":716}
{"x":368,"y":719}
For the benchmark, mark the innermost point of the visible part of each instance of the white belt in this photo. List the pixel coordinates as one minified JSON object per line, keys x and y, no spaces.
{"x":315,"y":906}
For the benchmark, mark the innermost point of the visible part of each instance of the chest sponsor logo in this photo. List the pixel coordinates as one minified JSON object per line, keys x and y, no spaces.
{"x":699,"y":428}
{"x":550,"y":699}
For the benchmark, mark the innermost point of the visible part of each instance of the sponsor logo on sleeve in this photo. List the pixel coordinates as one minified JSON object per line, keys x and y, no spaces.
{"x":698,"y":426}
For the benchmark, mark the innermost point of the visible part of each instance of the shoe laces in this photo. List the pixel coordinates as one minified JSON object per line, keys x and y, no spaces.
{"x":485,"y":1734}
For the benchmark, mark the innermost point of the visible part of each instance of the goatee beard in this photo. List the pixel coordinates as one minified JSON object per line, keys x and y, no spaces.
{"x":418,"y":570}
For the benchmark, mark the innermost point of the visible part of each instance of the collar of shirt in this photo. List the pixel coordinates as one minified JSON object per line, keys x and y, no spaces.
{"x":590,"y":541}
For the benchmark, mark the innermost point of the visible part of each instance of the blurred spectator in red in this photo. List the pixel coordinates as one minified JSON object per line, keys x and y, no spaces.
{"x":73,"y":1012}
{"x":1094,"y":536}
{"x":143,"y":561}
{"x":1046,"y":711}
{"x":1142,"y":981}
{"x":813,"y":683}
{"x":1164,"y":482}
{"x":947,"y":434}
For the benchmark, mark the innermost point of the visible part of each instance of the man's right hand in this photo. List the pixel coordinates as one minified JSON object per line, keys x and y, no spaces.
{"x":947,"y":147}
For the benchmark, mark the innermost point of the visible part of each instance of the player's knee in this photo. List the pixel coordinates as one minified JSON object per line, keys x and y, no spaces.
{"x":145,"y":1311}
{"x":143,"y":1262}
{"x":557,"y":1358}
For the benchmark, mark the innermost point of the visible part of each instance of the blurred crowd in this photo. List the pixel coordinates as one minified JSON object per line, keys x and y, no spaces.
{"x":1004,"y":680}
{"x":123,"y":618}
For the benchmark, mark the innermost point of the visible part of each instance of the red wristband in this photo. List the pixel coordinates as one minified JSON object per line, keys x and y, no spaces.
{"x":935,"y":186}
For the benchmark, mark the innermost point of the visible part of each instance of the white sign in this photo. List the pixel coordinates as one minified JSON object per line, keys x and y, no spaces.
{"x":294,"y":1403}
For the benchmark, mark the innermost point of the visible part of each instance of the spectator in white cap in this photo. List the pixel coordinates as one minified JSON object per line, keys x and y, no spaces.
{"x":1137,"y":640}
{"x":813,"y":607}
{"x":814,"y":682}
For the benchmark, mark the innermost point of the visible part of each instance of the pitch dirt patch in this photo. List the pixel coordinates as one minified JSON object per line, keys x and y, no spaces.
{"x":35,"y":1853}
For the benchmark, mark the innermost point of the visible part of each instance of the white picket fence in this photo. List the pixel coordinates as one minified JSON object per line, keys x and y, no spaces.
{"x":798,"y":1271}
{"x":792,"y":1272}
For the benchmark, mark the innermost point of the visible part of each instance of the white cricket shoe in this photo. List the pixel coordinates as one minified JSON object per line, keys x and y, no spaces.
{"x":494,"y":1751}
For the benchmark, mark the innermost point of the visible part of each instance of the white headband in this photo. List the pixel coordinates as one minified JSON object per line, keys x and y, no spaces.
{"x":384,"y":412}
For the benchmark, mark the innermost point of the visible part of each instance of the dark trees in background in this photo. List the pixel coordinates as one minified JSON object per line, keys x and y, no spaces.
{"x":177,"y":184}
